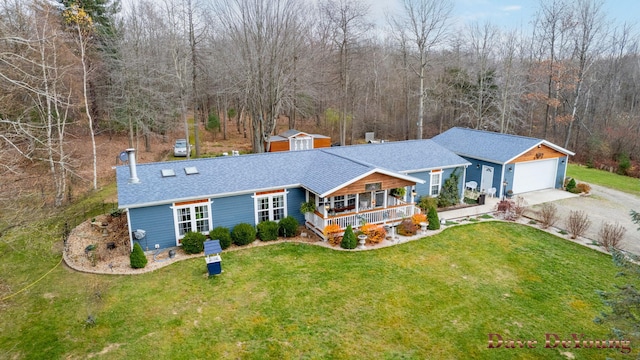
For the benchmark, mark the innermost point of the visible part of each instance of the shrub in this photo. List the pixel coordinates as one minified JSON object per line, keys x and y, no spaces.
{"x":349,"y":239}
{"x":577,"y":223}
{"x":548,"y":214}
{"x":375,"y":233}
{"x":332,"y":234}
{"x":511,"y":210}
{"x":407,"y":228}
{"x":624,"y":164}
{"x":268,"y":230}
{"x":416,"y":219}
{"x":193,"y":242}
{"x":137,"y":257}
{"x":288,"y":227}
{"x":434,"y":222}
{"x":610,"y":235}
{"x":243,"y":234}
{"x":583,"y":188}
{"x":571,"y":185}
{"x":426,"y":202}
{"x":221,"y":233}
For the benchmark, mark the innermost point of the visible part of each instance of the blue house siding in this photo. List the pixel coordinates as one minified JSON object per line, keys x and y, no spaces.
{"x":425,"y":189}
{"x":474,"y":172}
{"x":508,"y":177}
{"x":233,"y":210}
{"x":562,"y":167}
{"x":295,"y":197}
{"x":158,"y":223}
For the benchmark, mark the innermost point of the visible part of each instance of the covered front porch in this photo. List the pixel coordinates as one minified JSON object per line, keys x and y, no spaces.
{"x":376,"y":199}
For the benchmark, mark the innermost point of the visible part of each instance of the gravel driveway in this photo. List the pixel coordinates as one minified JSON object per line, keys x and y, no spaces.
{"x":604,"y":205}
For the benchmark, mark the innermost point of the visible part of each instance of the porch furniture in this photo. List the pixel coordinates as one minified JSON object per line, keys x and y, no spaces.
{"x":492,"y":192}
{"x":471,"y":185}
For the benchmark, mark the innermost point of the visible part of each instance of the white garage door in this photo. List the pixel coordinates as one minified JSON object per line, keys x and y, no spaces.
{"x":534,"y":175}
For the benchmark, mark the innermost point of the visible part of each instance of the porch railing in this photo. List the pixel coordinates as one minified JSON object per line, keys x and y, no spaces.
{"x":380,"y":216}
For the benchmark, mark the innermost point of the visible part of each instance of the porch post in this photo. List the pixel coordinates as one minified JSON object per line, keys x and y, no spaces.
{"x":357,"y":203}
{"x":386,"y":193}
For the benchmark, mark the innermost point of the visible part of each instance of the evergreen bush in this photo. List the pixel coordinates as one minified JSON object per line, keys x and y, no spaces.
{"x":571,"y":185}
{"x":268,"y":230}
{"x":137,"y":257}
{"x":193,"y":242}
{"x":349,"y":240}
{"x":243,"y":234}
{"x":449,"y":195}
{"x":221,"y":233}
{"x":288,"y":227}
{"x":434,"y":222}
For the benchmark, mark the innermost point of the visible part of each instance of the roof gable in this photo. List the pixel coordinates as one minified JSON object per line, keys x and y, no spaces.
{"x":490,"y":146}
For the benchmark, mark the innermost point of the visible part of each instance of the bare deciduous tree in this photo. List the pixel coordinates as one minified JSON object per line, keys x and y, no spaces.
{"x":426,"y":24}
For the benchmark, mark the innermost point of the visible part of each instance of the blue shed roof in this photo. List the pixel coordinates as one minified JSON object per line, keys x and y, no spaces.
{"x":490,"y":146}
{"x":320,"y":170}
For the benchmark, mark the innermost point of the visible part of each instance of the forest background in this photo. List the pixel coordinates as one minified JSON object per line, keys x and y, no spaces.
{"x":76,"y":75}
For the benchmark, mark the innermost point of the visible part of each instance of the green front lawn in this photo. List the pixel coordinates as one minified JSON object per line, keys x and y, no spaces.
{"x":604,"y":178}
{"x":436,"y":298}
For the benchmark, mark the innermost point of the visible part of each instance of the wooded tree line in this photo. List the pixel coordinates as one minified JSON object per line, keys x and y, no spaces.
{"x":572,"y":77}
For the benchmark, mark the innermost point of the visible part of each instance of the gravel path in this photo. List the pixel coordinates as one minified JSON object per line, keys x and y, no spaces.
{"x":604,"y":205}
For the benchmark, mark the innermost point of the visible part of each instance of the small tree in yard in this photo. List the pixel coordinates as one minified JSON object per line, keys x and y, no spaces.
{"x":577,"y":223}
{"x":548,"y":214}
{"x":137,"y":258}
{"x":610,"y":235}
{"x":624,"y":302}
{"x":348,"y":239}
{"x":434,"y":222}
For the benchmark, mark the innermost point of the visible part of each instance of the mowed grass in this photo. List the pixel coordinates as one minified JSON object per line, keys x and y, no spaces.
{"x":604,"y":178}
{"x":436,"y":298}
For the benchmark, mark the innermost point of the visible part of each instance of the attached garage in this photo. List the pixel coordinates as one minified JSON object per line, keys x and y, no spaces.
{"x":519,"y":164}
{"x":534,"y":175}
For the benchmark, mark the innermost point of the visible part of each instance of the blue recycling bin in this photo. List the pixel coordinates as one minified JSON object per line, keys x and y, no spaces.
{"x":212,"y":257}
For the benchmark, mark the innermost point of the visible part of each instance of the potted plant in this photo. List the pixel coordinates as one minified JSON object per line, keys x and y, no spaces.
{"x":398,"y":192}
{"x":307,"y":207}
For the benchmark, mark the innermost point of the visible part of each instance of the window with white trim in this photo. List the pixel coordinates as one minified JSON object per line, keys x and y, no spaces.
{"x":270,"y":207}
{"x":435,"y":183}
{"x":192,"y":216}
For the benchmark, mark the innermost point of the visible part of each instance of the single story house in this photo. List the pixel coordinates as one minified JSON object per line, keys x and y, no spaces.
{"x":347,"y":185}
{"x":294,"y":140}
{"x":502,"y":162}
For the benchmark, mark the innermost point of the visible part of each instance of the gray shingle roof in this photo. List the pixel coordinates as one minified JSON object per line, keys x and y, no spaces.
{"x":319,"y":170}
{"x":402,"y":156}
{"x":486,"y":145}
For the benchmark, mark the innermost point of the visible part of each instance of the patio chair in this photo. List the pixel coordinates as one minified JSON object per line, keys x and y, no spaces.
{"x":492,"y":192}
{"x":471,"y":185}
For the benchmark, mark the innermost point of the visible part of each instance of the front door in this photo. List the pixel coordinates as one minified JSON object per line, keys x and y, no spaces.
{"x":486,"y":182}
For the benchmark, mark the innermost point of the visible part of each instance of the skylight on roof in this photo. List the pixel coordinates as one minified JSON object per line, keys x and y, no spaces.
{"x":168,"y":173}
{"x":190,"y":170}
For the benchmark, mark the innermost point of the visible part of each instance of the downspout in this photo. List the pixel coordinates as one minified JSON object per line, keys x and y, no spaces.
{"x":464,"y":181}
